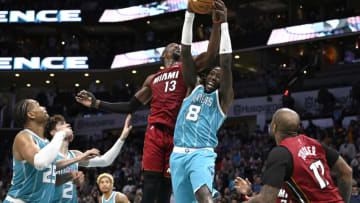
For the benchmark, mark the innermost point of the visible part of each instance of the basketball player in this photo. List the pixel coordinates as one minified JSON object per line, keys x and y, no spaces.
{"x":301,"y":166}
{"x":34,"y":157}
{"x":166,"y":90}
{"x":74,"y":158}
{"x":105,"y":182}
{"x":203,"y":111}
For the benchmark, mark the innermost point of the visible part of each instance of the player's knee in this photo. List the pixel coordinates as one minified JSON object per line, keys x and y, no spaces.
{"x":203,"y":195}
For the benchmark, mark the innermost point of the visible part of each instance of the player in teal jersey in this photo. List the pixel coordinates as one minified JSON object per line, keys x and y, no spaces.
{"x":105,"y":182}
{"x":202,"y":113}
{"x":34,"y":157}
{"x":71,"y":159}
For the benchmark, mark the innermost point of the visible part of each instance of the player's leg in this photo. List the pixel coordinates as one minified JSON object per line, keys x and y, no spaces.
{"x":165,"y":185}
{"x":151,"y":186}
{"x":180,"y":180}
{"x":153,"y":163}
{"x":202,"y":170}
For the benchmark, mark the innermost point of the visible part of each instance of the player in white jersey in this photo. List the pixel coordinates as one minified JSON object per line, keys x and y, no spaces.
{"x":33,"y":156}
{"x":71,"y":159}
{"x":105,"y":182}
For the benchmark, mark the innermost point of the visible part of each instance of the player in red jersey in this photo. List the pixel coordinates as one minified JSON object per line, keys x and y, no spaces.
{"x":166,"y":90}
{"x":301,"y":167}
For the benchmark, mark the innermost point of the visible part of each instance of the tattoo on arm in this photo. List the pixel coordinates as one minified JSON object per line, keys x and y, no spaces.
{"x":344,"y":177}
{"x":267,"y":194}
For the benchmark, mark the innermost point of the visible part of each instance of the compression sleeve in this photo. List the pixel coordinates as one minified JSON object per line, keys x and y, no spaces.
{"x":187,"y":33}
{"x":121,"y":107}
{"x":49,"y":153}
{"x":109,"y":157}
{"x":331,"y":155}
{"x":279,"y":167}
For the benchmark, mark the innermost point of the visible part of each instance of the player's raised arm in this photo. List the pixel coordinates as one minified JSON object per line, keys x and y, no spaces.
{"x":142,"y":97}
{"x":188,"y":64}
{"x":226,"y":92}
{"x":109,"y":157}
{"x":207,"y":59}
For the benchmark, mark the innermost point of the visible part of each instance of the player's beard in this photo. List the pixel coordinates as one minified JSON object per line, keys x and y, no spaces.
{"x":176,"y":56}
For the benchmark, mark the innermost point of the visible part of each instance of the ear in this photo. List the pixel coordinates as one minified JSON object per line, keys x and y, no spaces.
{"x":30,"y":115}
{"x":52,"y":132}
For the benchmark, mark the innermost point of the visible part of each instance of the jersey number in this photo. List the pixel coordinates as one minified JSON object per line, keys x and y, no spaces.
{"x":315,"y":167}
{"x":193,"y":113}
{"x":172,"y":86}
{"x":49,"y":175}
{"x":67,"y":190}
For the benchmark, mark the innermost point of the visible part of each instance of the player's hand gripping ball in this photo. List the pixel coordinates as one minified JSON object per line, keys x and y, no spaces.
{"x":201,"y":6}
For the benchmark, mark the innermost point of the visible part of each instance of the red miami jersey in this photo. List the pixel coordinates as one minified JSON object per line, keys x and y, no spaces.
{"x":310,"y":180}
{"x":168,"y":92}
{"x":286,"y":196}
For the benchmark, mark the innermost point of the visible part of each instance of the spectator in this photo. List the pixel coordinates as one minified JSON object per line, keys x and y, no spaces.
{"x":355,"y":197}
{"x":326,"y":100}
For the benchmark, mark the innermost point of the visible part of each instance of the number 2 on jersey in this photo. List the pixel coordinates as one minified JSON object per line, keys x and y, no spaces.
{"x":172,"y":86}
{"x":67,"y":190}
{"x":315,"y":167}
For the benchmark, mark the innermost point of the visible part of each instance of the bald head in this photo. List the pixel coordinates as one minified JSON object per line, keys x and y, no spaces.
{"x":285,"y":122}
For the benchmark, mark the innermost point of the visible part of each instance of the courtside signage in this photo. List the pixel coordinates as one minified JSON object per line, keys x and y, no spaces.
{"x":43,"y":16}
{"x":37,"y":63}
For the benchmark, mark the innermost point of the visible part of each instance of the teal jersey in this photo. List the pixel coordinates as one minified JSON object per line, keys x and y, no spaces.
{"x":30,"y":184}
{"x":111,"y":198}
{"x":199,"y":119}
{"x":66,"y":193}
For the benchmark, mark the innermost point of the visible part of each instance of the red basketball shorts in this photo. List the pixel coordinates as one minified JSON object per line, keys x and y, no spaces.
{"x":158,"y":146}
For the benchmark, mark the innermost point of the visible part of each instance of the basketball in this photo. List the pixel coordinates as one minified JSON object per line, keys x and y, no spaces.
{"x":201,"y":6}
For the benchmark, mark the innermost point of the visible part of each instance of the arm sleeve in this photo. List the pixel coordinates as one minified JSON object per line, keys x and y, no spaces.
{"x":108,"y":157}
{"x":49,"y":153}
{"x":331,"y":155}
{"x":121,"y":107}
{"x":278,"y":168}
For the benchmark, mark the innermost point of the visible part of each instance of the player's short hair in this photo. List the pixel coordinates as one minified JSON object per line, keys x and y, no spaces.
{"x":51,"y":124}
{"x":21,"y":110}
{"x":107,"y":175}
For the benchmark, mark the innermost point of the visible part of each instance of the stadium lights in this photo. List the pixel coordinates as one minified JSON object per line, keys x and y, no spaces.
{"x":47,"y":81}
{"x":86,"y":74}
{"x":236,"y":56}
{"x":77,"y":84}
{"x":17,"y":75}
{"x":28,"y":85}
{"x":277,"y":49}
{"x":127,"y":84}
{"x":162,"y":67}
{"x":148,"y":22}
{"x":52,"y":75}
{"x":133,"y":71}
{"x":97,"y":81}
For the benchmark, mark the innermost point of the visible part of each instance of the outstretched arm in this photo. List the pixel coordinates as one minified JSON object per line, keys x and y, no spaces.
{"x":109,"y":157}
{"x":142,"y":97}
{"x":207,"y":59}
{"x":188,"y":64}
{"x":226,"y":92}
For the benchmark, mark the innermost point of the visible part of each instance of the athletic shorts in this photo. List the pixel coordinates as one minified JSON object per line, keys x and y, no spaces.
{"x":189,"y":171}
{"x":158,"y":146}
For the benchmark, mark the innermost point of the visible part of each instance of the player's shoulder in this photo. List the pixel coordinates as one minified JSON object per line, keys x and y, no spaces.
{"x":120,"y":197}
{"x":23,"y":137}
